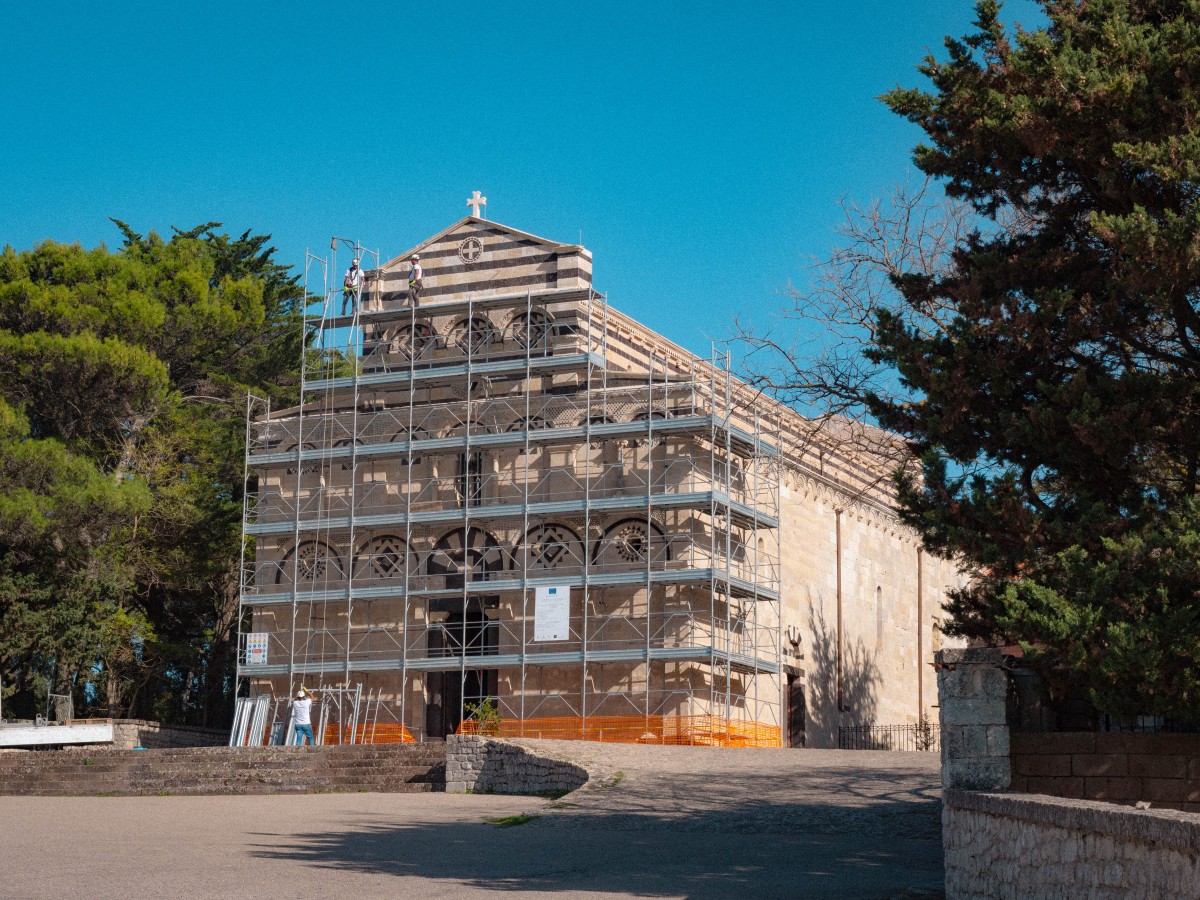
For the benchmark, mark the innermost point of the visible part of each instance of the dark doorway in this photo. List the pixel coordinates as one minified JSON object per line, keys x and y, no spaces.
{"x":465,"y":631}
{"x":795,"y":711}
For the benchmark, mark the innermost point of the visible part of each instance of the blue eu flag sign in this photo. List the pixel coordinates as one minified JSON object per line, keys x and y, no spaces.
{"x":552,"y":613}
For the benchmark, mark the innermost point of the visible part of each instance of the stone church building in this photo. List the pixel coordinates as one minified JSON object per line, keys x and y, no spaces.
{"x":515,"y":495}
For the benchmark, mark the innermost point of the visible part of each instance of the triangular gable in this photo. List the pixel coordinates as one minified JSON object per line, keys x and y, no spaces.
{"x":480,"y":258}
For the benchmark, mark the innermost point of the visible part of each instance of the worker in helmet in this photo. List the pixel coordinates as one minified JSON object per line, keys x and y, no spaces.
{"x":351,"y":286}
{"x":416,"y":280}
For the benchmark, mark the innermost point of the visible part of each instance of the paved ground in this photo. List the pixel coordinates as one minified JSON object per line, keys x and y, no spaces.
{"x":658,"y":822}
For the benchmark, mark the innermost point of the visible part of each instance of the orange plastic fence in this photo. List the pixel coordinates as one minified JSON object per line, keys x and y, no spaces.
{"x":379,"y":733}
{"x":706,"y":731}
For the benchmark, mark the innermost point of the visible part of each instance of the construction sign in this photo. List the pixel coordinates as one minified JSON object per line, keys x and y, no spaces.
{"x":256,"y":648}
{"x":552,"y":614}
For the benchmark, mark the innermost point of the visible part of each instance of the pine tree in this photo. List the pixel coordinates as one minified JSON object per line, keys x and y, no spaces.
{"x":1058,"y":411}
{"x":122,"y":393}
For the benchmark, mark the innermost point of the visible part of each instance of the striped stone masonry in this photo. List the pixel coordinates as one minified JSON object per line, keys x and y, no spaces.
{"x":477,"y":258}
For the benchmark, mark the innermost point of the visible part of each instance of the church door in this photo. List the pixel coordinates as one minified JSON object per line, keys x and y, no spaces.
{"x":795,"y":711}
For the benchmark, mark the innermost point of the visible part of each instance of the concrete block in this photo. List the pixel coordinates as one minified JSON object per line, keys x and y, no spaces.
{"x":1161,"y":790}
{"x":977,"y":774}
{"x":958,"y":656}
{"x":1069,"y":786}
{"x":1108,"y":788}
{"x":1039,"y":765}
{"x":1112,"y":764}
{"x":1065,"y":742}
{"x":992,"y":682}
{"x":975,"y":741}
{"x":974,"y":712}
{"x":998,"y":740}
{"x":1148,"y":766}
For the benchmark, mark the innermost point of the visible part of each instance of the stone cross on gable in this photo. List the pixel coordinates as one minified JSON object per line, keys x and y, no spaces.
{"x":476,"y":201}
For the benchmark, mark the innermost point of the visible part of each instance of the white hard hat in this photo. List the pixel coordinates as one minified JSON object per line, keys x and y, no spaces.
{"x":414,"y":256}
{"x":300,"y":693}
{"x":355,"y":261}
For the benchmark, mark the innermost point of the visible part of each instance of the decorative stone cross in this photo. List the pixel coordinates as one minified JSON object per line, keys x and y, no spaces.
{"x":475,"y":202}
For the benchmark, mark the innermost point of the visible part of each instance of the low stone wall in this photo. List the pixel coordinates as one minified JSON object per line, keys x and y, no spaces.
{"x":130,"y":733}
{"x":1162,"y":769}
{"x":1028,"y":847}
{"x":486,"y":765}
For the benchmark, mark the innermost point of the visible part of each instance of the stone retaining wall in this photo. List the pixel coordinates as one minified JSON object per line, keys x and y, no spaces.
{"x":1163,"y":769}
{"x":484,"y":765}
{"x":1025,"y":846}
{"x":130,"y":733}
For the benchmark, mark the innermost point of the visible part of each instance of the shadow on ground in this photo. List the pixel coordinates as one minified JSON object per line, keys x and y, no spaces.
{"x":868,"y":846}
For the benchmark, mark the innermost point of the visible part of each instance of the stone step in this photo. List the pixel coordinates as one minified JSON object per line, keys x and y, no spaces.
{"x":378,"y":774}
{"x":216,"y":770}
{"x":209,"y":771}
{"x":210,"y":788}
{"x":296,"y":758}
{"x":397,"y":751}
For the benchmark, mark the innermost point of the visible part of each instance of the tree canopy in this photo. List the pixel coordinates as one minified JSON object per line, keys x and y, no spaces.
{"x":1056,"y":409}
{"x":122,"y":396}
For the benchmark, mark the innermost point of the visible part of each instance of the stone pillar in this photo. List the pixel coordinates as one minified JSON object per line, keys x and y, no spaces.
{"x":972,"y":698}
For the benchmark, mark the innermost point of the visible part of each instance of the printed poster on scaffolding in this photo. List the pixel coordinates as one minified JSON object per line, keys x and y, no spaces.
{"x":552,"y":613}
{"x":256,"y":648}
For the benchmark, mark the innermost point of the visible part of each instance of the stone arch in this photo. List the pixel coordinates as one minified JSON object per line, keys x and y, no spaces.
{"x":403,"y":434}
{"x":550,"y":547}
{"x":308,"y":467}
{"x":316,"y":562}
{"x":384,"y":557}
{"x":414,"y":340}
{"x":649,"y":414}
{"x":630,"y":542}
{"x":474,"y":334}
{"x":531,"y":329}
{"x":470,"y":553}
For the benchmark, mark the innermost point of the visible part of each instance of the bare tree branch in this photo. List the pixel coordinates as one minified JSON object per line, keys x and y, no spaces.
{"x":812,"y":357}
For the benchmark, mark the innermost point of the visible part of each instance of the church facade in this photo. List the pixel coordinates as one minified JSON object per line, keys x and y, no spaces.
{"x":513,"y":506}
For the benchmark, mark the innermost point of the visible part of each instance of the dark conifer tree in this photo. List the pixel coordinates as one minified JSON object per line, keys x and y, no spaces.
{"x":1058,"y":411}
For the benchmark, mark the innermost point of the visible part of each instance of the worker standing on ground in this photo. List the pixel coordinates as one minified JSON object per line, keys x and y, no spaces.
{"x":416,"y":276}
{"x":351,"y":286}
{"x":302,"y":713}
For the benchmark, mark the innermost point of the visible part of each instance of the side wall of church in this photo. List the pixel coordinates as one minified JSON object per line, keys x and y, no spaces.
{"x":883,"y":681}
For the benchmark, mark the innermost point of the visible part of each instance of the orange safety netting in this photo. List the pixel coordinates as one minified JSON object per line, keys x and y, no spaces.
{"x":702,"y":731}
{"x":379,"y":733}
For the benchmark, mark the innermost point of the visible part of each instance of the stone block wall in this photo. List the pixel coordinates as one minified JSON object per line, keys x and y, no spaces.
{"x":1033,"y":845}
{"x":130,"y":733}
{"x":1162,"y":769}
{"x":972,"y":695}
{"x":1025,"y":847}
{"x":486,"y":765}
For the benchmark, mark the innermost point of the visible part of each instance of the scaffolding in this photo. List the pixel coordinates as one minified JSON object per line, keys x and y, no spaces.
{"x":449,"y":464}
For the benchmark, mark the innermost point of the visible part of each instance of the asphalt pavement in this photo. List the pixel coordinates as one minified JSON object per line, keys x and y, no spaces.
{"x":659,"y":822}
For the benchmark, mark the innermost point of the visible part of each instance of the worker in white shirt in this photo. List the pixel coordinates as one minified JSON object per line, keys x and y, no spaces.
{"x":416,"y":277}
{"x":302,"y":712}
{"x":351,"y":286}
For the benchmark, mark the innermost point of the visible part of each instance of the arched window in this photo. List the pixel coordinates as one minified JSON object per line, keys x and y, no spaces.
{"x":474,"y":335}
{"x":532,"y":329}
{"x":384,"y":557}
{"x":631,"y":542}
{"x":551,"y":547}
{"x":469,"y":553}
{"x":315,"y":564}
{"x":417,"y":434}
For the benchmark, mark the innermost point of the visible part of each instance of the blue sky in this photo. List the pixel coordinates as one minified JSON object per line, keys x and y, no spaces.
{"x":700,"y":149}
